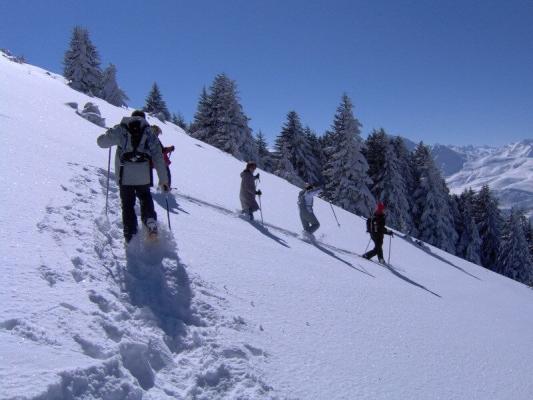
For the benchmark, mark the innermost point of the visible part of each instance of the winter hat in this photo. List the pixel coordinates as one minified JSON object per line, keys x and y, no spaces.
{"x":157,"y":130}
{"x":380,"y":208}
{"x":250,"y":164}
{"x":309,"y":186}
{"x":138,"y":113}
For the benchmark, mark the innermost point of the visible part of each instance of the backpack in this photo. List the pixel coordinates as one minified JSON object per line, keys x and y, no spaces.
{"x":372,"y":225}
{"x":301,"y":198}
{"x":135,"y":148}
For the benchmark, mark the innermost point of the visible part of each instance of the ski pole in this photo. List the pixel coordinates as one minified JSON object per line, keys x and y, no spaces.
{"x":108,"y":172}
{"x":335,"y":215}
{"x":390,"y":244}
{"x":168,"y":213}
{"x":261,"y":211}
{"x":260,"y":205}
{"x":368,"y":244}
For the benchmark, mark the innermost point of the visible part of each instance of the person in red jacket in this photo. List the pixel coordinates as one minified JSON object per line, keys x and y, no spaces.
{"x":166,"y":151}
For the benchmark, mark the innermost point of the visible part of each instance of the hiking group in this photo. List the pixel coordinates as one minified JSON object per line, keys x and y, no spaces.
{"x":375,"y":223}
{"x":139,"y":151}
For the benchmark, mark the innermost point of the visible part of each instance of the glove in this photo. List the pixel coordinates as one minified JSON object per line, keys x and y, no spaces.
{"x":391,"y":233}
{"x":172,"y":148}
{"x":256,"y":176}
{"x":165,"y":187}
{"x":259,"y":193}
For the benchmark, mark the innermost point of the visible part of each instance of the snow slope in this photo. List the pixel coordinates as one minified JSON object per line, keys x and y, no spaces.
{"x":508,"y":171}
{"x":221,"y":308}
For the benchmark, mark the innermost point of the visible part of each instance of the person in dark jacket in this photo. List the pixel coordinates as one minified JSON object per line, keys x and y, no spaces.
{"x":167,"y":151}
{"x":375,"y":225}
{"x":137,"y":146}
{"x":248,"y":190}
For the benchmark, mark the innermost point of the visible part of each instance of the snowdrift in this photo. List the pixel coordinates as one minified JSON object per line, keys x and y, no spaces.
{"x":221,"y":308}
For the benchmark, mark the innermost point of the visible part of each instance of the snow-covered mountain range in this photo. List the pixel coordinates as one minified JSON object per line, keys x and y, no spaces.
{"x":507,"y":170}
{"x":221,"y":308}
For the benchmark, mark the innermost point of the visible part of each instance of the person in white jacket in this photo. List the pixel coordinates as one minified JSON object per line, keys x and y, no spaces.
{"x":137,"y":147}
{"x":305,"y":203}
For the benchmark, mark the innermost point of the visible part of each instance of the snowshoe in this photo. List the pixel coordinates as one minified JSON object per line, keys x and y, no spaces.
{"x":308,"y":237}
{"x":151,"y":229}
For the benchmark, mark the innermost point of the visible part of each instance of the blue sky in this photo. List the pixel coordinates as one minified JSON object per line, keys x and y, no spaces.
{"x":453,"y":72}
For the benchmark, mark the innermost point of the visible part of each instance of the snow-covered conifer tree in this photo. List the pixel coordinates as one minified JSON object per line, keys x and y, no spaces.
{"x":433,"y":218}
{"x":203,"y":119}
{"x":111,"y":92}
{"x":316,"y":150}
{"x":469,"y":242}
{"x":528,"y":231}
{"x":82,"y":63}
{"x":392,"y":190}
{"x":221,"y":122}
{"x":514,"y":259}
{"x":265,"y":159}
{"x":155,"y":104}
{"x":375,"y":152}
{"x":345,"y":169}
{"x":299,"y":152}
{"x":284,"y":169}
{"x":489,"y":223}
{"x":177,"y":119}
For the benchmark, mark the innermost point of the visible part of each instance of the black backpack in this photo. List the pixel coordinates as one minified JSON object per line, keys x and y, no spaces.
{"x":135,"y":129}
{"x":372,"y":225}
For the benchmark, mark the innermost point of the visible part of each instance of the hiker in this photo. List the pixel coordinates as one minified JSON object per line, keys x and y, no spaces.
{"x":248,"y":190}
{"x":167,"y":151}
{"x":305,"y":203}
{"x":375,"y":225}
{"x":137,"y":146}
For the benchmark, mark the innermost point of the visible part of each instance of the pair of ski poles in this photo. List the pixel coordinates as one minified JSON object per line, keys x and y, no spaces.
{"x":369,"y":240}
{"x":107,"y":191}
{"x":390,"y":245}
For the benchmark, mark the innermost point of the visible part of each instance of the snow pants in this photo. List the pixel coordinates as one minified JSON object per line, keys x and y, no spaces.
{"x":378,"y":247}
{"x":309,"y":221}
{"x":128,"y":195}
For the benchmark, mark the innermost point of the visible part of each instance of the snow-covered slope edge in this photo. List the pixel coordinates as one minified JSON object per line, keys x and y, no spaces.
{"x":232,"y":310}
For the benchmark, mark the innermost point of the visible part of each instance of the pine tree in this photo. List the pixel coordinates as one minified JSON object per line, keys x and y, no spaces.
{"x":345,"y":168}
{"x":82,"y":63}
{"x":514,"y":259}
{"x":433,"y":218}
{"x":155,"y":104}
{"x":528,"y":232}
{"x":469,"y":242}
{"x":221,"y":122}
{"x":203,"y":120}
{"x":316,"y":151}
{"x":404,"y":160}
{"x":265,"y":159}
{"x":110,"y":90}
{"x":284,"y":169}
{"x":178,"y":120}
{"x":391,"y":188}
{"x":489,"y":223}
{"x":293,"y":139}
{"x":375,"y":154}
{"x":387,"y":174}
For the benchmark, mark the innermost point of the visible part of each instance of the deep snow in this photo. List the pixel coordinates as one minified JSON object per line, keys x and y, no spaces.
{"x":221,"y":308}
